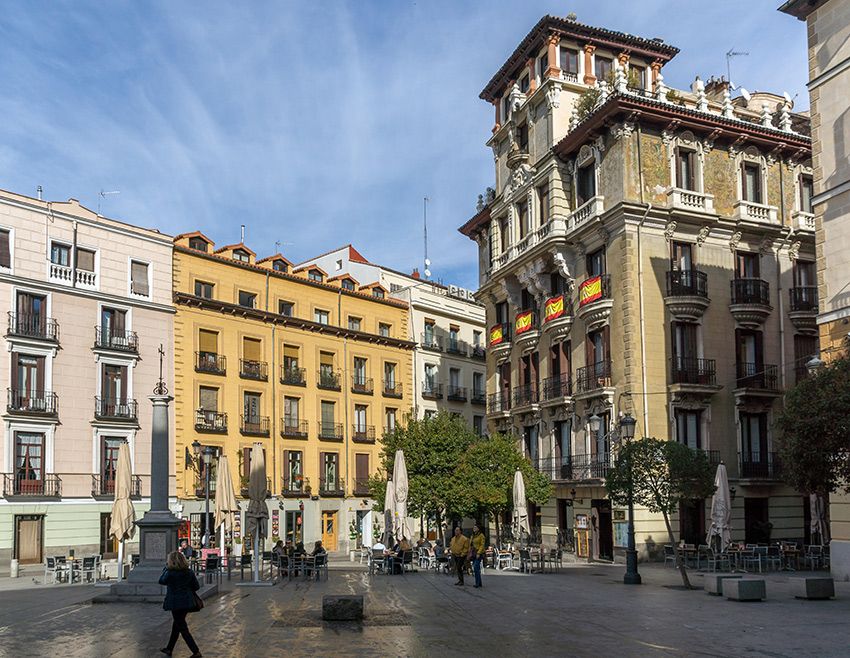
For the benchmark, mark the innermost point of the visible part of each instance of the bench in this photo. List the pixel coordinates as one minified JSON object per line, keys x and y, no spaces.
{"x":342,"y":607}
{"x":813,"y":588}
{"x":714,"y":582}
{"x":744,"y":589}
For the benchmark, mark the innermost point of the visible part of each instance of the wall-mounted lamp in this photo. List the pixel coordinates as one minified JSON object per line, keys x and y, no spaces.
{"x":732,"y":492}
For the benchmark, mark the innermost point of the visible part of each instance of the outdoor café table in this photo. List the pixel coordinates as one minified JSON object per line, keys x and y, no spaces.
{"x":790,"y":559}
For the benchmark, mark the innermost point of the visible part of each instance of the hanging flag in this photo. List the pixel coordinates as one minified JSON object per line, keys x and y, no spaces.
{"x":497,"y":336}
{"x":554,"y":308}
{"x":590,"y":290}
{"x":524,"y":322}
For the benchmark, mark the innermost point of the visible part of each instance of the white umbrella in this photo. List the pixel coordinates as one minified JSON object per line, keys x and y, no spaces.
{"x":122,"y":524}
{"x":721,"y":510}
{"x":225,"y":499}
{"x":402,"y":527}
{"x":389,"y":513}
{"x":520,"y":507}
{"x":818,"y":524}
{"x":257,"y":515}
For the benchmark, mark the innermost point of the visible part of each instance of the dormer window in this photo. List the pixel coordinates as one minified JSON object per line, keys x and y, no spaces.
{"x":524,"y":84}
{"x":569,"y":60}
{"x":377,"y":293}
{"x":315,"y":275}
{"x":279,"y":265}
{"x":603,"y":68}
{"x":751,"y":188}
{"x":241,"y":255}
{"x":347,"y":284}
{"x":198,"y":244}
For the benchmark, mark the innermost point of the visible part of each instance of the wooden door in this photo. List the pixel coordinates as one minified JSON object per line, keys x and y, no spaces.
{"x":28,"y":539}
{"x":329,"y":530}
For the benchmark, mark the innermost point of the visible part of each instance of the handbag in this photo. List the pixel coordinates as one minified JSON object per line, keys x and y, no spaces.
{"x":199,"y":603}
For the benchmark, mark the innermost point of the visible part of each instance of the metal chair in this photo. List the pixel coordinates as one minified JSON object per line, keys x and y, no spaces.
{"x":715,"y":560}
{"x":377,"y":561}
{"x":813,"y":557}
{"x":669,"y":555}
{"x":405,"y":560}
{"x":51,"y":570}
{"x":244,"y":561}
{"x":89,"y":570}
{"x":212,"y":568}
{"x":321,"y":565}
{"x":505,"y":560}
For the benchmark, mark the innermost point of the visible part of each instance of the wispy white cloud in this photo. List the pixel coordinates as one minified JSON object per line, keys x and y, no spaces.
{"x":312,"y":123}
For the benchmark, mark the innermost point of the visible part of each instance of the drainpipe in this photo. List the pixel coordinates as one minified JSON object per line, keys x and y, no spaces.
{"x":640,"y":289}
{"x":74,"y":257}
{"x":782,"y":374}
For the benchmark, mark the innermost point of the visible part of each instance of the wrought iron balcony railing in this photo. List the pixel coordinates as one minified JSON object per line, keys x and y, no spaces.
{"x":499,"y":402}
{"x":456,"y":393}
{"x":120,"y":341}
{"x":804,"y":298}
{"x":687,"y":283}
{"x":207,"y":420}
{"x":362,"y":384}
{"x":254,"y":425}
{"x":330,"y":431}
{"x":430,"y":341}
{"x":292,"y":486}
{"x":758,"y":376}
{"x":116,"y":409}
{"x":593,"y":377}
{"x":103,"y":485}
{"x":331,"y":486}
{"x":432,"y":390}
{"x":23,"y":484}
{"x":693,"y":371}
{"x":294,"y":428}
{"x":33,"y":325}
{"x":211,"y":363}
{"x":525,"y":394}
{"x":478,"y":397}
{"x":392,"y":389}
{"x":41,"y":403}
{"x":759,"y":465}
{"x":293,"y":376}
{"x":559,"y":386}
{"x":328,"y":380}
{"x":361,"y":486}
{"x":258,"y":370}
{"x":363,"y":433}
{"x":750,"y":291}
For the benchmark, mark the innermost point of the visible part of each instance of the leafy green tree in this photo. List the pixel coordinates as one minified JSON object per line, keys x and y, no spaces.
{"x":814,"y":428}
{"x":663,"y":474}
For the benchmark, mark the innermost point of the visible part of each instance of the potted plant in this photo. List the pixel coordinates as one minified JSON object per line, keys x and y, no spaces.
{"x":307,"y":487}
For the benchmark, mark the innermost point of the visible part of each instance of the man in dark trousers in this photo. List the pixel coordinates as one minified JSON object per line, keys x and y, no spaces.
{"x":459,"y":548}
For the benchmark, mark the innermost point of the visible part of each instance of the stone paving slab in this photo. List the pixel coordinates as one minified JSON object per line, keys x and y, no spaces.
{"x":582,"y":611}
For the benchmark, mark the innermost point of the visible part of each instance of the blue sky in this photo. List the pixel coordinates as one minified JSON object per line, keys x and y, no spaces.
{"x":314,"y":123}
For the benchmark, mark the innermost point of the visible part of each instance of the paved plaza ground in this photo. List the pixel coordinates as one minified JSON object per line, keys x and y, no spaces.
{"x":582,"y":611}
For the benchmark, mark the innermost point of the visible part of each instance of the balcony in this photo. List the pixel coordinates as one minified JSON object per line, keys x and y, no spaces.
{"x":362,"y":385}
{"x":556,"y":468}
{"x":526,"y":330}
{"x":292,"y":487}
{"x":478,"y":398}
{"x":211,"y":422}
{"x":48,"y":486}
{"x":330,"y":431}
{"x":200,"y":487}
{"x":713,"y":456}
{"x":392,"y":389}
{"x":590,"y":209}
{"x":500,"y":341}
{"x":361,"y":487}
{"x":687,"y":294}
{"x":292,"y":428}
{"x":210,"y":363}
{"x":457,"y":347}
{"x":254,"y":425}
{"x":478,"y":352}
{"x":804,"y":221}
{"x":696,"y":372}
{"x":36,"y":403}
{"x":35,"y":326}
{"x":64,"y":275}
{"x":558,"y":318}
{"x":432,"y":390}
{"x":759,"y":465}
{"x":557,"y":389}
{"x":331,"y":486}
{"x":594,"y":377}
{"x":585,"y":467}
{"x":363,"y":433}
{"x":525,"y":395}
{"x":594,"y":306}
{"x":690,"y":201}
{"x":804,"y":308}
{"x":243,"y":487}
{"x":747,"y":211}
{"x":431,"y":342}
{"x":757,"y":377}
{"x":104,"y":487}
{"x":750,"y":301}
{"x":499,"y":404}
{"x":293,"y":376}
{"x":328,"y":380}
{"x":456,"y":393}
{"x":116,"y":409}
{"x":256,"y":370}
{"x":117,"y":341}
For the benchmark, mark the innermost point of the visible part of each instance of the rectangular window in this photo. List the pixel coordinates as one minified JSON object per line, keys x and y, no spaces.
{"x":354,"y":323}
{"x":383,"y":329}
{"x":478,"y":383}
{"x":293,"y":473}
{"x":378,"y":293}
{"x":430,"y":377}
{"x":359,"y":371}
{"x":279,"y":265}
{"x":207,"y":342}
{"x":139,"y":284}
{"x":389,"y":375}
{"x":85,"y":259}
{"x":753,"y":437}
{"x":504,"y":234}
{"x":585,"y":183}
{"x":290,"y":412}
{"x":637,"y":77}
{"x":60,"y":254}
{"x":746,"y":265}
{"x":321,"y":317}
{"x":807,"y":191}
{"x":390,"y":417}
{"x":347,"y":284}
{"x":478,"y":425}
{"x":804,"y":274}
{"x":28,"y":393}
{"x":685,"y":169}
{"x":252,"y":350}
{"x":543,"y":65}
{"x":595,"y":263}
{"x":247,"y":299}
{"x":241,"y":255}
{"x":5,"y":248}
{"x":522,"y":219}
{"x":360,"y":411}
{"x":203,"y":289}
{"x":315,"y":275}
{"x":524,"y":84}
{"x":208,"y":398}
{"x":681,"y":257}
{"x":603,"y":68}
{"x":328,"y":418}
{"x":476,"y":338}
{"x":113,"y":327}
{"x":569,"y":60}
{"x":290,"y":357}
{"x":543,"y":200}
{"x":198,"y":244}
{"x":29,"y":462}
{"x":114,"y":389}
{"x":805,"y":348}
{"x":688,"y":428}
{"x":251,"y":408}
{"x":109,"y":447}
{"x":286,"y":309}
{"x":751,"y":182}
{"x":522,"y":137}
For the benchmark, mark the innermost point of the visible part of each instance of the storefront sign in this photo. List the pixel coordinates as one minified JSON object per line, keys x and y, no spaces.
{"x":524,"y":322}
{"x":497,"y":335}
{"x":554,"y":308}
{"x":581,"y":521}
{"x":275,"y":523}
{"x":590,"y":290}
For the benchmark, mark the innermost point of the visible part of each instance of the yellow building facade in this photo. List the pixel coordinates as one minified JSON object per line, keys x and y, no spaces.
{"x":311,"y":366}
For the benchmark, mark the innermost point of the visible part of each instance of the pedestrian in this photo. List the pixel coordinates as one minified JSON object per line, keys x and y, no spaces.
{"x":180,"y":599}
{"x":459,"y":548}
{"x":477,"y":553}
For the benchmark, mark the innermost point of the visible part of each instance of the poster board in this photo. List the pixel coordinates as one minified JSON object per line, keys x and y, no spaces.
{"x":621,"y":534}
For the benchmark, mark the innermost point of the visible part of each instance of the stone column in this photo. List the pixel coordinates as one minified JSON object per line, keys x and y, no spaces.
{"x":655,"y":67}
{"x":589,"y":75}
{"x":532,"y":79}
{"x":554,"y":70}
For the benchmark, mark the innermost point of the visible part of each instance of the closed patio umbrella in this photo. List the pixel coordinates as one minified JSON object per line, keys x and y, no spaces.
{"x":389,"y":513}
{"x":401,"y":525}
{"x":257,"y":515}
{"x":225,"y":498}
{"x":818,"y":523}
{"x":721,"y":511}
{"x":520,"y":520}
{"x":122,"y":524}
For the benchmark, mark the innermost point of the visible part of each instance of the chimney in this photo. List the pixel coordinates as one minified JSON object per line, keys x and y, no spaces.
{"x":714,"y":88}
{"x":415,"y":273}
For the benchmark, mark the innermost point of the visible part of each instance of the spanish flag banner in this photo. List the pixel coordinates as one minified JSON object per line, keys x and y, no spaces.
{"x":524,"y":322}
{"x":554,"y":308}
{"x":590,"y":291}
{"x":496,"y":335}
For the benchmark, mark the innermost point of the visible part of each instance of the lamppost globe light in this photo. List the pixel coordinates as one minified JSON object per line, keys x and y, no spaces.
{"x":814,"y":364}
{"x":208,"y":455}
{"x":595,"y":423}
{"x":627,"y":427}
{"x":196,"y":447}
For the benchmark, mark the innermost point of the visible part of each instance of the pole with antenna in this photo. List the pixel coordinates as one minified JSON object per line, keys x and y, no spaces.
{"x":729,"y":55}
{"x":425,"y":200}
{"x":103,"y":194}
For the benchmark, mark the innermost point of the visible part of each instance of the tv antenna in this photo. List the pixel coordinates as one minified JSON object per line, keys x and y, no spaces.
{"x":103,"y":194}
{"x":278,"y":244}
{"x":425,"y":235}
{"x":729,"y":55}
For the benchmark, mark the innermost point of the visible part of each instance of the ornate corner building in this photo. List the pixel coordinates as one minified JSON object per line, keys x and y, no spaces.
{"x":648,"y":251}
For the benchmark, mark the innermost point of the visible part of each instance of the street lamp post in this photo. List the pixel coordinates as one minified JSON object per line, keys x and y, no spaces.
{"x":207,"y":456}
{"x":631,"y":577}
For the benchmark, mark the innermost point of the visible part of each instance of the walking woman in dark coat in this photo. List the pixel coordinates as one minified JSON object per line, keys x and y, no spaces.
{"x":180,"y":599}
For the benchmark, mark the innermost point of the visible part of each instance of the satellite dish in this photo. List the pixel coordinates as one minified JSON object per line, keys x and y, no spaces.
{"x":787,"y":97}
{"x":427,"y":272}
{"x":427,"y":262}
{"x":745,"y":94}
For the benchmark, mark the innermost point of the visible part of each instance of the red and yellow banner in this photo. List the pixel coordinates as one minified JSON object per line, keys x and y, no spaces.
{"x":497,"y":335}
{"x":590,"y":291}
{"x":554,"y":308}
{"x":524,"y":322}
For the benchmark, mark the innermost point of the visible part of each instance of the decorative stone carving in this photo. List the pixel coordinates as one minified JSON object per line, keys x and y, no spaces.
{"x":669,"y":230}
{"x":708,"y":142}
{"x":620,"y":130}
{"x":553,"y":95}
{"x":728,"y":109}
{"x":620,"y":80}
{"x":599,"y":144}
{"x":766,"y":246}
{"x":698,"y":87}
{"x":660,"y":88}
{"x":734,"y":240}
{"x":794,"y":250}
{"x":564,"y":269}
{"x":785,"y":118}
{"x":703,"y":234}
{"x":736,"y":146}
{"x":766,"y":116}
{"x":516,"y":97}
{"x":513,"y":294}
{"x":574,"y":118}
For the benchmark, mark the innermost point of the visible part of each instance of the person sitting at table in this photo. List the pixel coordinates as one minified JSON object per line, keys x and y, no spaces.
{"x":288,"y":549}
{"x":278,"y":549}
{"x":318,"y":549}
{"x":186,"y":549}
{"x":299,"y":550}
{"x":404,"y":545}
{"x":423,"y":543}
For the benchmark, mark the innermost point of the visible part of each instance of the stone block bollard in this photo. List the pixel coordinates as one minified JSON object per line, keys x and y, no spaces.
{"x":342,"y":607}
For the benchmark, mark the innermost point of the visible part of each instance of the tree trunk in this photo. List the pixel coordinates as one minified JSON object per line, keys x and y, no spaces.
{"x":498,"y":536}
{"x":680,"y":563}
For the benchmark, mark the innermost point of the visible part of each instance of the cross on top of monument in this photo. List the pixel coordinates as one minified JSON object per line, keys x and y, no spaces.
{"x":160,"y":388}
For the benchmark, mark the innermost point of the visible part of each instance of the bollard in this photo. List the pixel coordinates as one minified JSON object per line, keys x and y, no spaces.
{"x":13,"y":569}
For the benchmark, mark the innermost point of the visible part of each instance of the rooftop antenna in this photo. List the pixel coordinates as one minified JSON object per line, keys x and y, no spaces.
{"x":425,"y":234}
{"x":242,"y":235}
{"x":729,"y":55}
{"x":103,"y":196}
{"x":278,"y":244}
{"x":38,"y":191}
